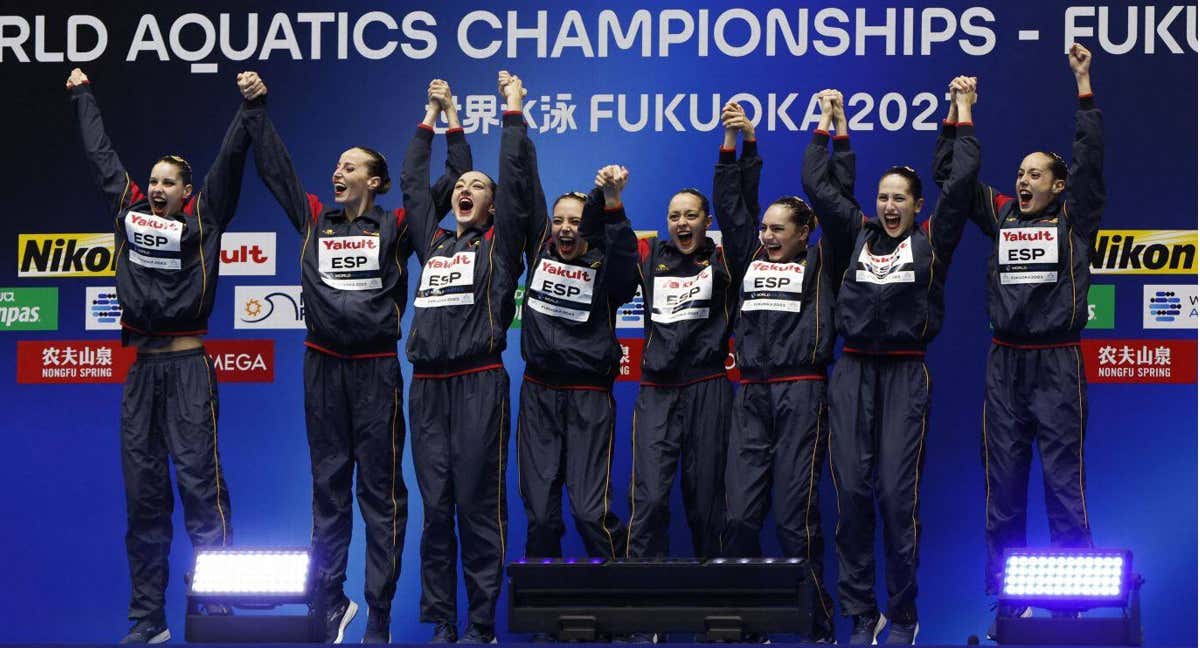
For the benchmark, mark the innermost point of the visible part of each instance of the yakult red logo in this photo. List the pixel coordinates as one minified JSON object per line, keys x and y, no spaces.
{"x":766,"y":266}
{"x":1016,"y":236}
{"x":163,"y":224}
{"x":248,"y":253}
{"x":565,"y":273}
{"x":443,"y":263}
{"x":359,"y":244}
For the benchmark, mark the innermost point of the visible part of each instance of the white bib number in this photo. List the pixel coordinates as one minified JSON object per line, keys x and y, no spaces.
{"x":881,"y":269}
{"x":349,"y":262}
{"x":682,"y":298}
{"x":561,"y":290}
{"x":153,"y":241}
{"x":773,"y":286}
{"x":447,"y":281}
{"x":1022,"y":247}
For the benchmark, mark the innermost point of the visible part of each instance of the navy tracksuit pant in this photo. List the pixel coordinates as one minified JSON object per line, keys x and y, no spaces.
{"x":777,"y":447}
{"x":169,"y":408}
{"x":460,"y":428}
{"x":878,"y":418}
{"x":352,"y":409}
{"x":565,"y":438}
{"x":1035,"y":395}
{"x":674,"y":425}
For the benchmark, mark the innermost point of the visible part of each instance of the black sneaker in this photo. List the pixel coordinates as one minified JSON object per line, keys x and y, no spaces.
{"x":866,"y":629}
{"x":148,"y":630}
{"x":379,"y":627}
{"x":337,"y":618}
{"x":476,"y":634}
{"x":636,"y":638}
{"x":444,"y":633}
{"x":902,"y":634}
{"x":542,"y":637}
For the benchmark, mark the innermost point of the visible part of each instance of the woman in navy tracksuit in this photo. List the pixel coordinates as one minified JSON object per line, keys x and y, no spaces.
{"x":458,"y":400}
{"x":890,"y":306}
{"x":783,"y":341}
{"x":168,"y":244}
{"x":354,"y":275}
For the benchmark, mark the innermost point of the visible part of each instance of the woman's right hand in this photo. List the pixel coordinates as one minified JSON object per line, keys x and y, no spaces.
{"x":77,"y":78}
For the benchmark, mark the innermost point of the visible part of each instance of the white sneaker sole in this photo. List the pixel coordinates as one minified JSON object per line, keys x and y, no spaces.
{"x":162,"y":637}
{"x":351,"y":610}
{"x":878,"y":628}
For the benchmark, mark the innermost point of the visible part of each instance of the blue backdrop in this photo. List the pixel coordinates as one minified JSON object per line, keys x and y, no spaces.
{"x":66,"y":577}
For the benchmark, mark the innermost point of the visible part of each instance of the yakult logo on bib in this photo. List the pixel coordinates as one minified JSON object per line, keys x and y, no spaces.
{"x":773,"y":286}
{"x":1023,"y":249}
{"x":896,"y":267}
{"x":561,"y":290}
{"x":350,"y":262}
{"x":447,"y":281}
{"x":154,"y":241}
{"x":682,"y":298}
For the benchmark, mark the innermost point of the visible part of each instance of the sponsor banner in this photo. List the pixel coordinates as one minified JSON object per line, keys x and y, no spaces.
{"x":519,"y":298}
{"x":242,"y":360}
{"x":1102,"y":307}
{"x":91,"y":361}
{"x":632,"y":314}
{"x":1169,"y":306}
{"x":28,"y":309}
{"x":72,"y":361}
{"x":1145,"y":252}
{"x":1140,"y":361}
{"x":103,"y":310}
{"x":630,"y":369}
{"x":65,"y":255}
{"x":268,"y":307}
{"x":248,"y":253}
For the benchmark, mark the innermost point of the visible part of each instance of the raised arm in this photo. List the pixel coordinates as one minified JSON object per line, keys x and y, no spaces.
{"x":517,"y":190}
{"x":839,"y":215}
{"x":419,"y":204}
{"x":108,"y":173}
{"x":943,"y":150}
{"x":223,"y":183}
{"x":950,"y":214}
{"x":274,"y":164}
{"x":1086,"y":195}
{"x":618,"y":241}
{"x":735,"y":188}
{"x":843,"y":168}
{"x":458,"y":152}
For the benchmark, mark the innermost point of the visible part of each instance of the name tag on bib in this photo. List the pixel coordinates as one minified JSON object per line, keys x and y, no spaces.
{"x":682,"y":298}
{"x":349,"y":262}
{"x":153,"y":241}
{"x":881,"y":269}
{"x":773,"y":286}
{"x":447,"y":281}
{"x":1024,"y":248}
{"x":561,"y":290}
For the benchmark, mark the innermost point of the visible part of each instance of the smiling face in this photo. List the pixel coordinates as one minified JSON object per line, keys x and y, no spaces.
{"x":686,"y":221}
{"x":352,"y":178}
{"x":564,"y":228}
{"x":781,"y":237}
{"x":167,"y":190}
{"x":473,"y":196}
{"x":1036,"y":184}
{"x":895,"y":205}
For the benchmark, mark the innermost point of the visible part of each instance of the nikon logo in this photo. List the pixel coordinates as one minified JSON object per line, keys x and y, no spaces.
{"x":1145,"y":252}
{"x":65,"y":255}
